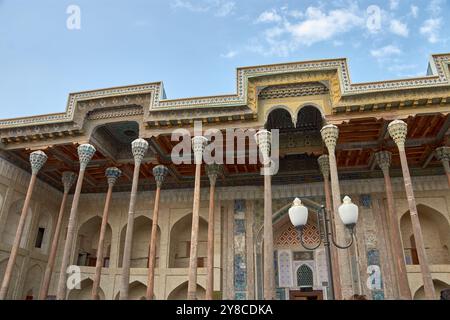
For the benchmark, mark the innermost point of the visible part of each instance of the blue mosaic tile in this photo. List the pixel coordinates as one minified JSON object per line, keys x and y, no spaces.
{"x":240,"y":273}
{"x":239,"y":226}
{"x":366,"y":200}
{"x":239,"y":205}
{"x":373,"y":257}
{"x":240,"y":296}
{"x":275,"y":267}
{"x":377,"y":295}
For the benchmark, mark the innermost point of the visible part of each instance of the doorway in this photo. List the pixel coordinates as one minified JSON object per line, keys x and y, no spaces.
{"x":305,"y":295}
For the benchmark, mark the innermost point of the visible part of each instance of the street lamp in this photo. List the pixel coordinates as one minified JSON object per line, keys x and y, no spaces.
{"x":348,"y":212}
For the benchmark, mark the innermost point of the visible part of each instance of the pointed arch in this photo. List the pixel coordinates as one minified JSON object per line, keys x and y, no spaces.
{"x":87,"y":243}
{"x":85,"y":291}
{"x":33,"y":282}
{"x":141,"y":242}
{"x":304,"y":276}
{"x":309,"y":118}
{"x":279,"y":117}
{"x":180,"y":292}
{"x":438,"y":287}
{"x":436,"y":234}
{"x":12,"y":222}
{"x":14,"y":279}
{"x":180,"y":242}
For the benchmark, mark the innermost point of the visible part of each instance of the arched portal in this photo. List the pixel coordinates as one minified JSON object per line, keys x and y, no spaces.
{"x":85,"y":291}
{"x":305,"y":277}
{"x":141,"y":243}
{"x":436,"y":234}
{"x":12,"y":222}
{"x":180,"y":243}
{"x":136,"y":291}
{"x":180,"y":292}
{"x":32,"y":282}
{"x":88,"y":236}
{"x":438,"y":287}
{"x":309,"y":118}
{"x":279,"y":118}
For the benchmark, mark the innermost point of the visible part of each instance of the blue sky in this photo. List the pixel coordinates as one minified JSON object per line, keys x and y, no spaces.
{"x":194,"y":46}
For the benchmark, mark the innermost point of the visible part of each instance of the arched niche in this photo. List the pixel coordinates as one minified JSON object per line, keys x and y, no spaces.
{"x":12,"y":222}
{"x":33,"y":282}
{"x":279,"y":118}
{"x":180,"y":243}
{"x":136,"y":291}
{"x":85,"y":291}
{"x":14,"y":278}
{"x":438,"y":287}
{"x":304,"y":276}
{"x":436,"y":234}
{"x":141,"y":243}
{"x":87,"y":243}
{"x":180,"y":292}
{"x":309,"y":119}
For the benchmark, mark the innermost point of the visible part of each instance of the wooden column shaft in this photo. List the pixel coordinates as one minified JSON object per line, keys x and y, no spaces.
{"x":61,"y":293}
{"x":210,"y":259}
{"x":396,"y":241}
{"x":417,"y":231}
{"x":126,"y":261}
{"x":16,"y":244}
{"x":192,"y":283}
{"x":101,"y":240}
{"x":152,"y":250}
{"x":53,"y":250}
{"x":269,"y":273}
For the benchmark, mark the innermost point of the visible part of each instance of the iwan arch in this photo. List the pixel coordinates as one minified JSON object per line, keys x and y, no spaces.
{"x":298,"y":99}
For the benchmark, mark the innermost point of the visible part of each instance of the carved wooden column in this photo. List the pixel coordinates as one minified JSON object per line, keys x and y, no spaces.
{"x":324,"y":165}
{"x":330,"y":135}
{"x":139,"y":148}
{"x":443,"y":155}
{"x":68,"y":178}
{"x":159,"y":172}
{"x":264,"y":139}
{"x":397,"y":130}
{"x":198,"y":145}
{"x":112,"y":174}
{"x":37,"y":160}
{"x":85,"y":153}
{"x":213,"y":171}
{"x":383,"y":159}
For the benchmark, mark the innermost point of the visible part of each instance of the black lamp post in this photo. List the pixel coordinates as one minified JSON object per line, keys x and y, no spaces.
{"x":348,"y":212}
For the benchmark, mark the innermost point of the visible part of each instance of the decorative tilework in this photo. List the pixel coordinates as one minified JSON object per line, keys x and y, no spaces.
{"x":373,"y":258}
{"x":366,"y":200}
{"x":289,"y":237}
{"x":285,"y":269}
{"x":240,"y":264}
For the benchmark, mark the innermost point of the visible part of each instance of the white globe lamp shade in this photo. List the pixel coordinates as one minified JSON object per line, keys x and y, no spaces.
{"x":348,"y":212}
{"x":298,"y":213}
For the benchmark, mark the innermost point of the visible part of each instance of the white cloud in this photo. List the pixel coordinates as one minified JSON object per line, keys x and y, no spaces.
{"x":393,"y":4}
{"x":399,"y":28}
{"x":269,"y":16}
{"x":338,"y":43}
{"x":230,"y":54}
{"x":435,"y":7}
{"x":319,"y":26}
{"x":430,"y":29}
{"x":220,"y":8}
{"x":414,"y":11}
{"x":385,"y":52}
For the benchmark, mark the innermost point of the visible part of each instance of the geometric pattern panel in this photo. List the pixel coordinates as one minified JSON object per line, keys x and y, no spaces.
{"x":304,"y":276}
{"x":285,"y":269}
{"x":289,"y":237}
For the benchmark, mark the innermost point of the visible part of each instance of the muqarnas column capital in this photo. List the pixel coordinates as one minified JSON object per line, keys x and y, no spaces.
{"x":37,"y":160}
{"x":324,"y":165}
{"x":139,"y":149}
{"x":112,"y":174}
{"x":398,"y":130}
{"x":264,"y":141}
{"x":160,"y":172}
{"x":198,"y":146}
{"x":85,"y":153}
{"x":330,"y":135}
{"x":383,"y":159}
{"x":443,"y":153}
{"x":68,"y":178}
{"x":213,"y":170}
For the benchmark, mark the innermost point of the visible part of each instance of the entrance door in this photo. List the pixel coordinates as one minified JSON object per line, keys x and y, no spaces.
{"x":305,"y":295}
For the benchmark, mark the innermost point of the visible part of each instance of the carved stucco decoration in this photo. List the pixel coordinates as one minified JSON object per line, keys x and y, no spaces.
{"x":249,"y":79}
